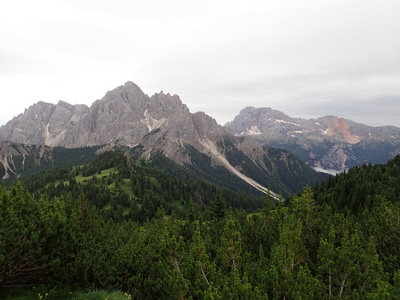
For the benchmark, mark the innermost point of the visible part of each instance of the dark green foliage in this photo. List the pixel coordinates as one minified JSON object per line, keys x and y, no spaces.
{"x":297,"y":251}
{"x":135,"y":190}
{"x":109,"y":160}
{"x":219,"y":207}
{"x":40,"y":159}
{"x":301,"y":249}
{"x":43,"y":239}
{"x":2,"y":171}
{"x":74,"y":156}
{"x":362,"y":187}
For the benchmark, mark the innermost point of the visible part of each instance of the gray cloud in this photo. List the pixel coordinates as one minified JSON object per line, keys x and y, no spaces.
{"x":308,"y":59}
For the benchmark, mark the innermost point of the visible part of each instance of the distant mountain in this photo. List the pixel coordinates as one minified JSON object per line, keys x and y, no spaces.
{"x":160,"y":124}
{"x":330,"y":143}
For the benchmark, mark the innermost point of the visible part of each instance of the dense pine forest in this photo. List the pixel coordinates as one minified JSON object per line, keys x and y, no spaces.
{"x":120,"y":229}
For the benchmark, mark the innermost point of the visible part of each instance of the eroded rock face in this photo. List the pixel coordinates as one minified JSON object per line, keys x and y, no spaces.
{"x":124,"y":115}
{"x":157,"y":124}
{"x":328,"y":142}
{"x":44,"y":124}
{"x":13,"y":157}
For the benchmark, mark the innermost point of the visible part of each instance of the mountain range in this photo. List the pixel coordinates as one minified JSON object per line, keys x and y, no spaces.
{"x":330,"y":143}
{"x":161,"y":124}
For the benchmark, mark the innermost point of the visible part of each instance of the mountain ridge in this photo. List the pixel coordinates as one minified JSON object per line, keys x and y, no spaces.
{"x":328,"y":142}
{"x":161,"y":123}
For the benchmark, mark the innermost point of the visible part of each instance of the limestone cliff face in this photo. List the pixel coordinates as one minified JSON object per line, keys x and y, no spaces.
{"x":328,"y":142}
{"x":124,"y":114}
{"x":158,"y":124}
{"x":44,"y":124}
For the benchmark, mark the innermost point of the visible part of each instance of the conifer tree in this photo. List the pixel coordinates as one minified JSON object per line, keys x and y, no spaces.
{"x":219,"y":209}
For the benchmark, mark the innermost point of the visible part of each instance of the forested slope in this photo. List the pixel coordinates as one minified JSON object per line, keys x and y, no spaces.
{"x":302,"y":249}
{"x":362,"y":187}
{"x":125,"y":189}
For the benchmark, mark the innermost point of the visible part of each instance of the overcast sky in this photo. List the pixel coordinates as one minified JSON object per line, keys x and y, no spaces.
{"x":305,"y":58}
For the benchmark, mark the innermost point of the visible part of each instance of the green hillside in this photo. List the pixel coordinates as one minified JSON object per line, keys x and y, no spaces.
{"x":61,"y":237}
{"x":362,"y":187}
{"x":125,"y":189}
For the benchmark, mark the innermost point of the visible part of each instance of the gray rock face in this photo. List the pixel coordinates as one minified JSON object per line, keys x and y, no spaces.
{"x":124,"y":116}
{"x":327,"y":142}
{"x":44,"y":124}
{"x":160,"y":123}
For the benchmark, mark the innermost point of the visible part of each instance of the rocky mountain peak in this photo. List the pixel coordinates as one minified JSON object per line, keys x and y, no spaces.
{"x":328,"y":142}
{"x":247,"y":110}
{"x":38,"y":110}
{"x":125,"y":114}
{"x":167,"y":106}
{"x":125,"y":97}
{"x":254,"y":121}
{"x":208,"y":126}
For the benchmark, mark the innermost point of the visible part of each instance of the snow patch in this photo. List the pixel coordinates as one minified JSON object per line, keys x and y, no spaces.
{"x":253,"y":130}
{"x":293,"y":133}
{"x":326,"y":132}
{"x":150,"y":122}
{"x":327,"y":171}
{"x":286,"y":122}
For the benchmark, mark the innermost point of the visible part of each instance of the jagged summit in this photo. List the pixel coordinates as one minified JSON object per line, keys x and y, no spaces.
{"x":125,"y":113}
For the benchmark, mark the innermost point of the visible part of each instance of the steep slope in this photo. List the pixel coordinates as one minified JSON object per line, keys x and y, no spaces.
{"x":14,"y":158}
{"x":328,"y":142}
{"x":157,"y":124}
{"x":362,"y":187}
{"x":22,"y":160}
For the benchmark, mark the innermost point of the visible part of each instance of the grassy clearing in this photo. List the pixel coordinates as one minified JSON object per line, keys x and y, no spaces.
{"x":104,"y":173}
{"x":83,"y":179}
